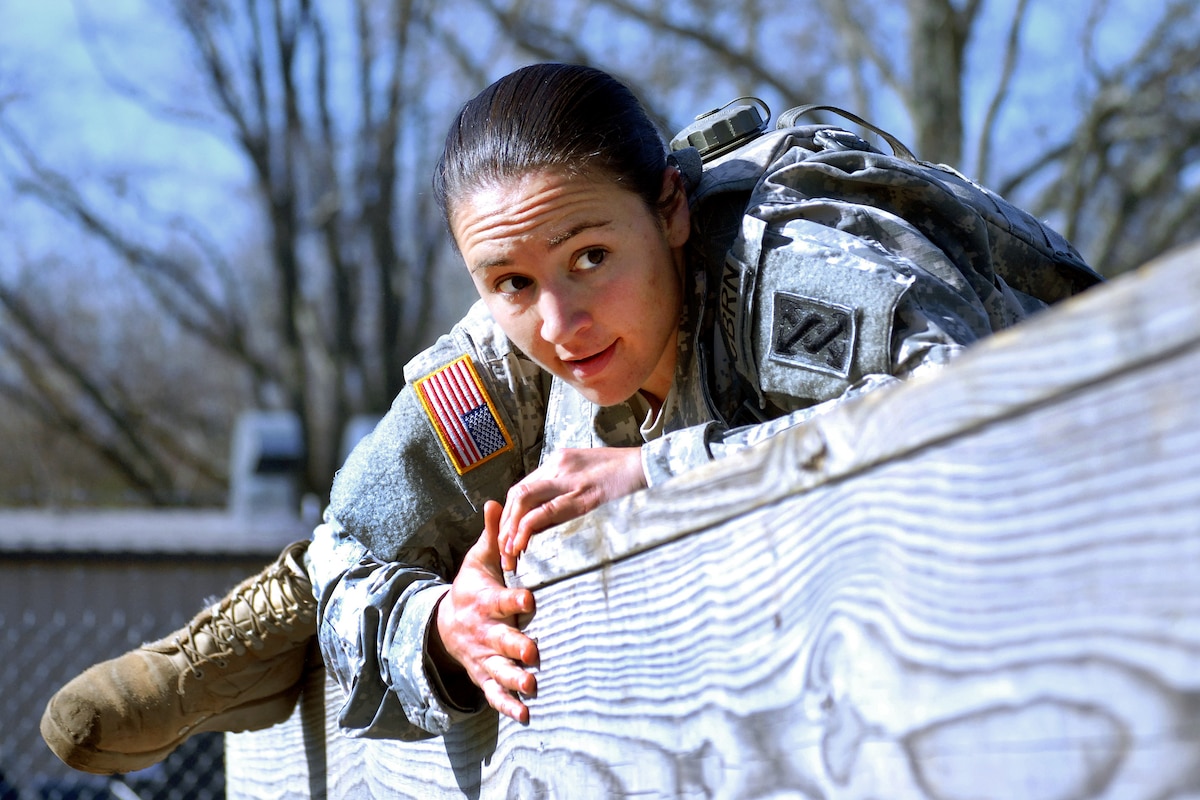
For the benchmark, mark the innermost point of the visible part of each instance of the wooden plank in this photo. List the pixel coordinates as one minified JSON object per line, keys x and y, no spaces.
{"x":980,"y":585}
{"x":957,"y":620}
{"x":289,"y":760}
{"x":1146,"y":316}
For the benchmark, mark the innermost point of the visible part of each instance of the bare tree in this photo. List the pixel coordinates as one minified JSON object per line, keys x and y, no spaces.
{"x":1124,"y":178}
{"x":683,"y":58}
{"x":336,"y":111}
{"x":334,"y":151}
{"x":1117,"y":180}
{"x":353,"y":303}
{"x":122,"y":392}
{"x":1120,"y":180}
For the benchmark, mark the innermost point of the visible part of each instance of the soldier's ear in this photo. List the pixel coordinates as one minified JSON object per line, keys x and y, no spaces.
{"x":673,"y":206}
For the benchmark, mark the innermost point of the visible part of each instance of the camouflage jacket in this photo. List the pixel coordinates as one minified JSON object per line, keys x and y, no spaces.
{"x":801,"y":295}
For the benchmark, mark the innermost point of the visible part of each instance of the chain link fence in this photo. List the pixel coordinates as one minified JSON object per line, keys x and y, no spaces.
{"x":59,"y":616}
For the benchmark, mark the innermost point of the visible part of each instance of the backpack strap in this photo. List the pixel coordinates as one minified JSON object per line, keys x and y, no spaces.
{"x":790,"y":119}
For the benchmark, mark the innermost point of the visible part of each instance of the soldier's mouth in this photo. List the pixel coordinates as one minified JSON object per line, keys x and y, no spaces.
{"x":583,"y":369}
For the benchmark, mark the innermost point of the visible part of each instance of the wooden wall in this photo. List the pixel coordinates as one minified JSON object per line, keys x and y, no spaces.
{"x":981,"y":585}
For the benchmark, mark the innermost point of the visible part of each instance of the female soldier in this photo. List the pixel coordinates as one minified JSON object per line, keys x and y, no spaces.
{"x":598,"y":370}
{"x":600,"y":359}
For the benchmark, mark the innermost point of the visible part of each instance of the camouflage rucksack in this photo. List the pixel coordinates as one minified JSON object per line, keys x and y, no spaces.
{"x":745,"y":180}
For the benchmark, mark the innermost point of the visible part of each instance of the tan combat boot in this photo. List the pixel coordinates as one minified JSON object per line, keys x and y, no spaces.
{"x":238,"y":665}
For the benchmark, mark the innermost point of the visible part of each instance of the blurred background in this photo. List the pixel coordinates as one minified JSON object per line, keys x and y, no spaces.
{"x":219,"y":248}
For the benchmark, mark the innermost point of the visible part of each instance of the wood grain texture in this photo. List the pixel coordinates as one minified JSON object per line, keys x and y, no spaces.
{"x":983,"y":585}
{"x":1145,"y":317}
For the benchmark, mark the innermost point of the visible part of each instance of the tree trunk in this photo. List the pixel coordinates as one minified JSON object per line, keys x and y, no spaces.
{"x":937,"y":40}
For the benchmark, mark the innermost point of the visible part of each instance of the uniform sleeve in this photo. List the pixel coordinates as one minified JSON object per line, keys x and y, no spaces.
{"x":374,"y":620}
{"x":402,"y":514}
{"x":679,"y":451}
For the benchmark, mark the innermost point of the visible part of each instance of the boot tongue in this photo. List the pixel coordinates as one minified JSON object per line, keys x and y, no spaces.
{"x":275,"y":602}
{"x":265,"y":615}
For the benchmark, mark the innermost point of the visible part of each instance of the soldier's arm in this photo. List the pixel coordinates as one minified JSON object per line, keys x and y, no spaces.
{"x":404,"y":511}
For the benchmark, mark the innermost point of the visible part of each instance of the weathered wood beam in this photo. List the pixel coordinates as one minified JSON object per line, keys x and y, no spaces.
{"x":985,"y":584}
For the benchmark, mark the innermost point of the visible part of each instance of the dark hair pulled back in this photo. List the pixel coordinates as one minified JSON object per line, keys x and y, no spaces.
{"x":559,"y":116}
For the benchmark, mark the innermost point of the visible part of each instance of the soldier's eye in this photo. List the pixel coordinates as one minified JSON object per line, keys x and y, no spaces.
{"x":590,"y":259}
{"x":513,"y":284}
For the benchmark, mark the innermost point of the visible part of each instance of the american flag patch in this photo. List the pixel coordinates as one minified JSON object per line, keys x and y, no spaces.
{"x":463,"y":415}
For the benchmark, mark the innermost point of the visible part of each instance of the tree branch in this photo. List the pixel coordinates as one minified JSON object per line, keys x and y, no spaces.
{"x":1003,"y":87}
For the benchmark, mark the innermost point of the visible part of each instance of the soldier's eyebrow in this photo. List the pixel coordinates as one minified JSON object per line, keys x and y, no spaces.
{"x":575,"y":230}
{"x":491,"y":263}
{"x":554,"y":241}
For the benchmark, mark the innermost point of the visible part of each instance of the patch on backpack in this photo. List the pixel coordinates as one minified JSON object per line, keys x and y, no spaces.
{"x":463,"y":414}
{"x":813,"y":333}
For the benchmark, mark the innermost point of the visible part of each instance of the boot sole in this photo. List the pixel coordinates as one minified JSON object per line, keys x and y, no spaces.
{"x":98,"y":761}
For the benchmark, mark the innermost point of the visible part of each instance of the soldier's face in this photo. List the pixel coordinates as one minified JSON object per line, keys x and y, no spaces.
{"x":582,"y":277}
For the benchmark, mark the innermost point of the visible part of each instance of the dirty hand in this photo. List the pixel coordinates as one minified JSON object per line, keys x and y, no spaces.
{"x":476,"y":626}
{"x":568,"y":484}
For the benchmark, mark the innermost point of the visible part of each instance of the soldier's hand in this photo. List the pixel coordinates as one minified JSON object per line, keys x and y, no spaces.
{"x":568,"y":484}
{"x":476,"y":625}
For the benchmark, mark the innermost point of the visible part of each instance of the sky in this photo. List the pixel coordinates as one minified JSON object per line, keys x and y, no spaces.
{"x":58,"y":101}
{"x":51,"y":91}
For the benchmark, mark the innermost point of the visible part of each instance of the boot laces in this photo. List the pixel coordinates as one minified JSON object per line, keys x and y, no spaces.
{"x":241,"y":620}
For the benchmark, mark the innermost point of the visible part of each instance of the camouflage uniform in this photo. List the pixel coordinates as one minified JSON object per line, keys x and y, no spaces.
{"x":801,"y":294}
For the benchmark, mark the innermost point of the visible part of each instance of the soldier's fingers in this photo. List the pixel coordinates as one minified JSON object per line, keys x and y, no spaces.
{"x":537,"y":519}
{"x":485,"y":552}
{"x":554,"y":511}
{"x":505,"y":702}
{"x":517,"y":498}
{"x":503,"y":604}
{"x":513,"y":645}
{"x":512,"y":677}
{"x":523,"y":499}
{"x":492,"y":512}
